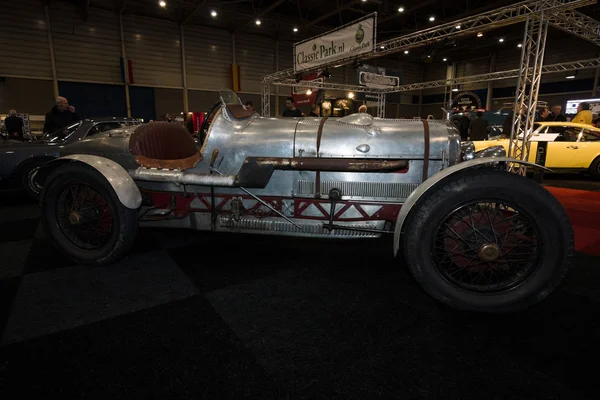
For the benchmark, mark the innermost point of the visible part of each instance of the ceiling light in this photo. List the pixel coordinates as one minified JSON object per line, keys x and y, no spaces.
{"x":382,"y":47}
{"x":405,"y":51}
{"x":213,"y":13}
{"x":445,"y":59}
{"x":295,"y":29}
{"x":162,"y":3}
{"x":432,"y":18}
{"x":350,"y":95}
{"x":571,"y":77}
{"x":455,"y":90}
{"x":258,"y":22}
{"x":401,"y":9}
{"x":309,"y":92}
{"x":501,"y":40}
{"x":519,"y":45}
{"x":480,"y":34}
{"x":457,"y":26}
{"x":428,"y":56}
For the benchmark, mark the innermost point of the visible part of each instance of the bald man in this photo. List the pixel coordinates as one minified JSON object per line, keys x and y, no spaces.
{"x":60,"y":116}
{"x":362,"y":109}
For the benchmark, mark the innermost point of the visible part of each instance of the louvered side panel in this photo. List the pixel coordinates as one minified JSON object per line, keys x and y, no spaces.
{"x":154,"y":48}
{"x":86,"y":51}
{"x":256,"y":58}
{"x":208,"y":58}
{"x":24,"y":41}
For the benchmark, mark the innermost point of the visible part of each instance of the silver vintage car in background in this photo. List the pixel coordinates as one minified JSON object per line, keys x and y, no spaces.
{"x":474,"y":236}
{"x":19,"y":161}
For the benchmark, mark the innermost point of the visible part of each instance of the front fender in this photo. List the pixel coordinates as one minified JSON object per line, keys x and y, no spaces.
{"x":439,"y":177}
{"x":125,"y":188}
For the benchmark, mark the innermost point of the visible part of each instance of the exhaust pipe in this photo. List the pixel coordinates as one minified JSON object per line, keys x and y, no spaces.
{"x":183,"y":177}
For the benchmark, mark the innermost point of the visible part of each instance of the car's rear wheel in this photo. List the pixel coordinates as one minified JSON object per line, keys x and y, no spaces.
{"x":594,"y":169}
{"x":84,"y":217}
{"x":26,"y":176}
{"x":488,"y":240}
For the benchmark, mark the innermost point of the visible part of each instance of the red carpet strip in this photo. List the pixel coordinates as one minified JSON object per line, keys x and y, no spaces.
{"x":583,"y":208}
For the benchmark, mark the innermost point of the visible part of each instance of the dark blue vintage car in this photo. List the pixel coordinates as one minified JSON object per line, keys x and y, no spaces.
{"x":20,"y":160}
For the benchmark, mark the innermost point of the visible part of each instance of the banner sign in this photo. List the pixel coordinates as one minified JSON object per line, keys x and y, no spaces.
{"x":466,"y":101}
{"x":377,"y":81}
{"x":345,"y":42}
{"x":127,"y":71}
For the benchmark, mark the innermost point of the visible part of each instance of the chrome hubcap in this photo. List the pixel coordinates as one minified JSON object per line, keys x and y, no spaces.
{"x":74,"y":218}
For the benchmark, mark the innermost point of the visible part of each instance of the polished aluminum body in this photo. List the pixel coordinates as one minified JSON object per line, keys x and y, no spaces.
{"x":426,"y":147}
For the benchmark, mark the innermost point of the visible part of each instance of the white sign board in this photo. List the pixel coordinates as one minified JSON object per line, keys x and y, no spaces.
{"x":370,"y":79}
{"x":342,"y":43}
{"x":572,"y":106}
{"x":542,"y":137}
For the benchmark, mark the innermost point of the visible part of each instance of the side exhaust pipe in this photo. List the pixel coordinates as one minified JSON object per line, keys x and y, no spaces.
{"x":183,"y":177}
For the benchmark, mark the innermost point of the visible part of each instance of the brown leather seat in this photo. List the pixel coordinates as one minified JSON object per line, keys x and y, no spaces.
{"x":164,"y":145}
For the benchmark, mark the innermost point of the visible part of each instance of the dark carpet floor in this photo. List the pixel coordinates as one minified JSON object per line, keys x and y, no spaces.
{"x":202,"y":316}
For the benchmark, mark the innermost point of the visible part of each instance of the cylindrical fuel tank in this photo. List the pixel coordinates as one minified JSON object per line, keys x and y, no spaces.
{"x":362,"y":136}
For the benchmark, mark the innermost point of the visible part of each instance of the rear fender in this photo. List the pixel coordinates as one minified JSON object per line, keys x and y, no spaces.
{"x":427,"y":185}
{"x":125,"y":188}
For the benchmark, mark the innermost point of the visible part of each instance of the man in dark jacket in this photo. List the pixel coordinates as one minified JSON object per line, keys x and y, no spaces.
{"x":61,"y":115}
{"x":479,"y":128}
{"x":14,"y":125}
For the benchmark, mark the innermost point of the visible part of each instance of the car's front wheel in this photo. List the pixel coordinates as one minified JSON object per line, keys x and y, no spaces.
{"x":488,"y":240}
{"x":594,"y":169}
{"x":84,"y":217}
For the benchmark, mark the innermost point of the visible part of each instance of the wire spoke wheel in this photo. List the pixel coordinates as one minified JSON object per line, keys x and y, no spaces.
{"x":486,"y":247}
{"x":84,"y":216}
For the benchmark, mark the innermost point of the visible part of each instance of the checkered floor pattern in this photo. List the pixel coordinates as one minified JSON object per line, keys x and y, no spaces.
{"x":190,"y":315}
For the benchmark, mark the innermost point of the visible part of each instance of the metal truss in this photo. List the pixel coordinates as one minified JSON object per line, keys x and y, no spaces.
{"x":504,"y":16}
{"x":492,"y":76}
{"x":577,"y":24}
{"x":381,"y":105}
{"x":528,"y":86}
{"x":266,"y":100}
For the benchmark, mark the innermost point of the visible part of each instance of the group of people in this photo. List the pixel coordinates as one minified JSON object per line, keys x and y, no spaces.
{"x":60,"y":116}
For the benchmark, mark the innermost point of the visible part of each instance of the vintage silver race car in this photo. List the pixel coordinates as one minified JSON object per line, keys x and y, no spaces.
{"x":475,"y":236}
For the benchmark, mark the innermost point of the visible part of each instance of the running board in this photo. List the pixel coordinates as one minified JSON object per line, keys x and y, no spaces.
{"x":308,"y":228}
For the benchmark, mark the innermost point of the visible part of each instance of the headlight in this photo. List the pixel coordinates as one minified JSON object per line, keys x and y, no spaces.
{"x":467,"y":150}
{"x":494,"y":151}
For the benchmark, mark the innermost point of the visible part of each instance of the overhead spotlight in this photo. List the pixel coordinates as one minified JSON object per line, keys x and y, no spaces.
{"x":309,"y":92}
{"x":480,"y":34}
{"x":405,"y":51}
{"x":162,"y":3}
{"x":428,"y":56}
{"x":457,"y":26}
{"x":519,"y":45}
{"x":501,"y":40}
{"x":382,"y":47}
{"x":351,"y":95}
{"x":455,"y":90}
{"x":258,"y":22}
{"x":213,"y":13}
{"x":401,"y":9}
{"x":445,"y":59}
{"x":571,"y":77}
{"x":432,"y":18}
{"x":295,"y":29}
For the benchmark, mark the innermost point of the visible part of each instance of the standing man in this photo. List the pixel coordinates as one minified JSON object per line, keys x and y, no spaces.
{"x":291,"y":110}
{"x":544,"y":115}
{"x":14,"y":125}
{"x":584,"y":114}
{"x":479,"y":128}
{"x":60,"y":116}
{"x":556,"y":116}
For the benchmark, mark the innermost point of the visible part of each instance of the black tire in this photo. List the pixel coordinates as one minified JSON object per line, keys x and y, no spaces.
{"x":594,"y":169}
{"x":26,"y":173}
{"x":442,"y":242}
{"x":113,"y":225}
